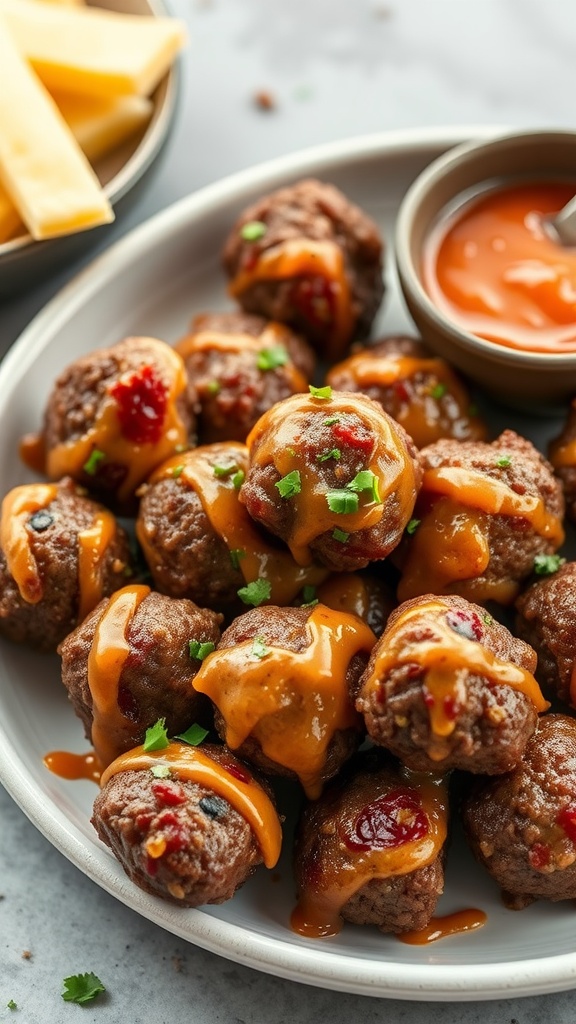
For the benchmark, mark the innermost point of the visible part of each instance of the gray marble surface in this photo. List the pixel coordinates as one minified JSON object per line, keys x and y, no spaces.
{"x":335,"y":68}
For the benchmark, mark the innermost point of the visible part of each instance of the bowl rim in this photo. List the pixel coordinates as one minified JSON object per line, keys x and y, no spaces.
{"x":130,"y":173}
{"x":410,"y":280}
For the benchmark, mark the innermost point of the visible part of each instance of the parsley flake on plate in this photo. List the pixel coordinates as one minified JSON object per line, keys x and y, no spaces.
{"x":81,"y":988}
{"x":156,"y":737}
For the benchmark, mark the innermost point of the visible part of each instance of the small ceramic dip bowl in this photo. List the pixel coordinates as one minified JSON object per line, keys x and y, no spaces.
{"x":485,"y":280}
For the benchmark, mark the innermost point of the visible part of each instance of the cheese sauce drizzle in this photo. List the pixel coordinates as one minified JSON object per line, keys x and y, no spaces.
{"x":273,"y":336}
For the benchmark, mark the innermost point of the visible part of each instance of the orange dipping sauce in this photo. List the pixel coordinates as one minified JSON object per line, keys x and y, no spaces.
{"x":494,"y":268}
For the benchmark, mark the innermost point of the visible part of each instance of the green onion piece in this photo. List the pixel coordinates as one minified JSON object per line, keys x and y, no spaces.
{"x":323,"y":393}
{"x":235,"y":555}
{"x":199,"y":649}
{"x":290,"y":484}
{"x":253,"y":230}
{"x":413,"y":526}
{"x":238,"y":479}
{"x":193,"y":735}
{"x":156,"y":737}
{"x":93,"y":461}
{"x":546,"y":565}
{"x":342,"y":502}
{"x":256,"y":592}
{"x":177,"y":471}
{"x":334,"y":453}
{"x":11,"y":1005}
{"x":223,"y":471}
{"x":81,"y":988}
{"x":439,"y":391}
{"x":504,"y":461}
{"x":330,"y":420}
{"x":160,"y":771}
{"x":308,"y":595}
{"x":259,"y":649}
{"x":213,"y":387}
{"x":340,"y":535}
{"x":366,"y":480}
{"x":272,"y":358}
{"x":487,"y":619}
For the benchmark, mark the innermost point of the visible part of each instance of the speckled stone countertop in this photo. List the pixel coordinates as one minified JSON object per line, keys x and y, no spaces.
{"x":333,"y":69}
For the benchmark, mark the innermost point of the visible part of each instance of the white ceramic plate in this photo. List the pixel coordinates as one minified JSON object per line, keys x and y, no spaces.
{"x":152,"y":282}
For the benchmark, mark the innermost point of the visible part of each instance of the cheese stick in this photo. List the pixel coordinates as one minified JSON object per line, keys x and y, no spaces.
{"x":91,"y":51}
{"x":42,"y":167}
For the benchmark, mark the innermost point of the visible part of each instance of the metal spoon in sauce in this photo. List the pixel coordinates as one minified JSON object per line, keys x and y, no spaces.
{"x":564,"y":223}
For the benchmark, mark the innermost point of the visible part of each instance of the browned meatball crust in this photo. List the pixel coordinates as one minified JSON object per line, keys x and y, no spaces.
{"x":307,"y":256}
{"x":441,"y":689}
{"x":55,"y":531}
{"x":280,"y":680}
{"x":155,"y":680}
{"x":522,"y":826}
{"x":208,"y":848}
{"x":420,"y":391}
{"x":350,"y":843}
{"x":115,"y":414}
{"x":239,"y":366}
{"x":334,"y":477}
{"x":546,"y":619}
{"x":484,"y":512}
{"x":562,"y":455}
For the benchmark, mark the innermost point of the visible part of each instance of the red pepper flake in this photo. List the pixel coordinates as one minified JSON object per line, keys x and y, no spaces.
{"x":143,"y":822}
{"x":539,"y":856}
{"x":467,"y":624}
{"x":172,"y":831}
{"x":401,"y":391}
{"x":567,"y":820}
{"x":315,"y":300}
{"x":393,"y":819}
{"x":428,"y":697}
{"x":236,"y":771}
{"x":169,"y":793}
{"x":355,"y":436}
{"x":142,"y":398}
{"x":451,"y":707}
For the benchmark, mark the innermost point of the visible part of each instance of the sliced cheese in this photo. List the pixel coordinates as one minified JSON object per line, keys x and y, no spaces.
{"x":94,"y":52}
{"x":10,"y":219}
{"x":101,"y":125}
{"x":42,"y":167}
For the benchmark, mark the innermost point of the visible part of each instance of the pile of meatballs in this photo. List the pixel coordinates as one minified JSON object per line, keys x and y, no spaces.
{"x":282,"y":548}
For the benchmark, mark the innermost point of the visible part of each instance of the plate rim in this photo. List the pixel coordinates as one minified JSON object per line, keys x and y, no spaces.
{"x":270,"y":955}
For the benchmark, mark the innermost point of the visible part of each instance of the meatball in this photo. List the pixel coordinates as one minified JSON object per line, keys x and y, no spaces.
{"x":280,"y":681}
{"x":449,"y":686}
{"x":546,"y":619}
{"x":187,"y":824}
{"x":199,"y":541}
{"x":308,"y":257}
{"x":333,"y":476}
{"x":132,"y":662}
{"x":522,"y":826}
{"x":420,"y":391}
{"x":562,"y":455}
{"x":370,"y":850}
{"x":60,"y":553}
{"x":240,"y":365}
{"x":112,"y":416}
{"x":484,"y":513}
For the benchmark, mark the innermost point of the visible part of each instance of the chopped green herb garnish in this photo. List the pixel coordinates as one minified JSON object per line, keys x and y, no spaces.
{"x":253,"y":230}
{"x":213,"y":387}
{"x":504,"y":461}
{"x":366,"y":480}
{"x":177,"y":471}
{"x":546,"y":565}
{"x":256,"y":592}
{"x":238,"y":479}
{"x":272,"y":358}
{"x":223,"y":471}
{"x":93,"y":461}
{"x":193,"y":736}
{"x":472,"y":410}
{"x":259,"y":649}
{"x":342,"y":502}
{"x":156,"y":737}
{"x":82,"y":988}
{"x":340,"y":535}
{"x":324,"y":393}
{"x":160,"y":771}
{"x":179,"y":448}
{"x":200,"y":649}
{"x":438,"y":391}
{"x":235,"y":555}
{"x":487,"y":619}
{"x":309,"y":595}
{"x":413,"y":526}
{"x":11,"y":1005}
{"x":292,"y":452}
{"x":334,"y":453}
{"x":289,"y":485}
{"x":330,"y":420}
